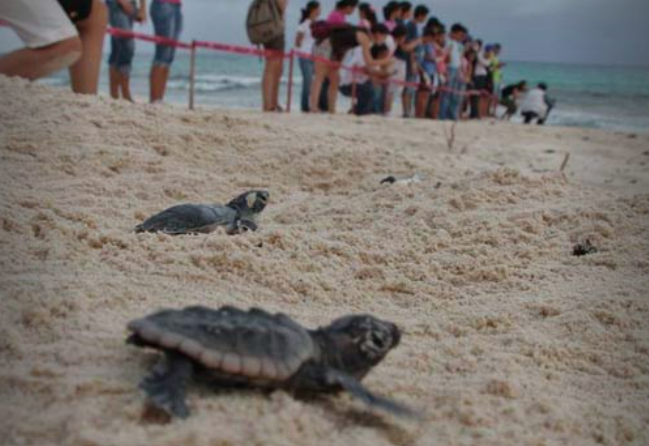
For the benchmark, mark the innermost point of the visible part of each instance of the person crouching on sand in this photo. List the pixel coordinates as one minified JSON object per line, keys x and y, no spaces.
{"x":510,"y":94}
{"x":537,"y":105}
{"x":56,"y":38}
{"x":122,"y":14}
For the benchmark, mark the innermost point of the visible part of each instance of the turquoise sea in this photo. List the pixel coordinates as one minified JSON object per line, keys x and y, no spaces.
{"x":605,"y":97}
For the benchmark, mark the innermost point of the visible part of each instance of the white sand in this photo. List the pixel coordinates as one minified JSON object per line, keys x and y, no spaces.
{"x":509,"y":339}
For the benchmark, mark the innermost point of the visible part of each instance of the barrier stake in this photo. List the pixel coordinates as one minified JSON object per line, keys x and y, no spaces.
{"x":290,"y":81}
{"x":354,"y":105}
{"x":192,"y":74}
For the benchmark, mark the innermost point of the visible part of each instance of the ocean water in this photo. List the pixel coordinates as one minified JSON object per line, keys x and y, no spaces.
{"x":615,"y":98}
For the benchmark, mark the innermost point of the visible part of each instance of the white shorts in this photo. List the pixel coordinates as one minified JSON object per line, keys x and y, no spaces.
{"x":38,"y":23}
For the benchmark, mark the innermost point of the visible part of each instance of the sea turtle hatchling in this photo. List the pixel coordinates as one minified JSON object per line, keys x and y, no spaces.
{"x":231,"y":347}
{"x":237,"y":216}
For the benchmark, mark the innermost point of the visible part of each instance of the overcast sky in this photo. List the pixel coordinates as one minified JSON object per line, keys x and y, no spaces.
{"x":577,"y":31}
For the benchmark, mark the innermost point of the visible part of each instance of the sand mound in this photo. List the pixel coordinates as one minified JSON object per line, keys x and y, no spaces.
{"x":509,"y":338}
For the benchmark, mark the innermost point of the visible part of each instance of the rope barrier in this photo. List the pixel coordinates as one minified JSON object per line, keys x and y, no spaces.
{"x":117,"y":32}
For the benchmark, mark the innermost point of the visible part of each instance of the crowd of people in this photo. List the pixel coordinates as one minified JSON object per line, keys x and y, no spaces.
{"x":409,"y":56}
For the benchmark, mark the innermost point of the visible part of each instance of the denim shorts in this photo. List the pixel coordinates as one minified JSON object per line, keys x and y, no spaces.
{"x":167,"y":22}
{"x":121,"y":49}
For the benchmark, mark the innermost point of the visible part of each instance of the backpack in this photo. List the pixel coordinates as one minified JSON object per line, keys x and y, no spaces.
{"x":265,"y":21}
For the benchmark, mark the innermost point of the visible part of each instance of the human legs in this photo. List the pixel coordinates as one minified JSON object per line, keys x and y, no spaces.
{"x":529,"y":116}
{"x":321,"y":71}
{"x":510,"y":104}
{"x":334,"y":79}
{"x":365,"y":97}
{"x":306,"y":66}
{"x":457,"y":87}
{"x":167,"y":22}
{"x":273,"y":67}
{"x":445,"y":96}
{"x":121,"y":54}
{"x":84,"y":74}
{"x":52,"y":40}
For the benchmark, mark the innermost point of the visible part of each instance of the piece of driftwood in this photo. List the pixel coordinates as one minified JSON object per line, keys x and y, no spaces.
{"x":565,"y":162}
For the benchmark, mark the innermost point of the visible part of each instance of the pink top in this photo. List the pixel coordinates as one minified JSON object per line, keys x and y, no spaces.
{"x":390,"y":24}
{"x":336,"y":17}
{"x":364,"y":23}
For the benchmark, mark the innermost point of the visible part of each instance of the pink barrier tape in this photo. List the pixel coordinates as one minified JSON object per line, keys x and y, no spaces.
{"x":241,"y":49}
{"x":147,"y":38}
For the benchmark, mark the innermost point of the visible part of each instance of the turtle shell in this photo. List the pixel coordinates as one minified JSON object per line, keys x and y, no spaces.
{"x":187,"y":218}
{"x":251,"y":344}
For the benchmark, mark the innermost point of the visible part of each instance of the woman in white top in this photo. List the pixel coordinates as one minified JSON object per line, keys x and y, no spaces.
{"x":304,"y":43}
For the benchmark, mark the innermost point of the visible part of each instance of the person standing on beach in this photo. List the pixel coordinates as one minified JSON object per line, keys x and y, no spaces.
{"x":343,"y":9}
{"x":304,"y":43}
{"x":480,"y":103}
{"x":122,"y":14}
{"x":167,"y":19}
{"x":496,"y":74}
{"x":414,"y":57}
{"x":56,"y":38}
{"x":452,"y":98}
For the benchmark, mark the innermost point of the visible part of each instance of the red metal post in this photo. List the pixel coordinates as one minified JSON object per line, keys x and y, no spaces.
{"x":291,"y":57}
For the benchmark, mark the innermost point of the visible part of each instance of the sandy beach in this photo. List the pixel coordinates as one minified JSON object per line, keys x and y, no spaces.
{"x":509,"y":339}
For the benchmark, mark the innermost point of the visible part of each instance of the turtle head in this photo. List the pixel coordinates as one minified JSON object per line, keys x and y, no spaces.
{"x":359,"y":342}
{"x":250,"y":203}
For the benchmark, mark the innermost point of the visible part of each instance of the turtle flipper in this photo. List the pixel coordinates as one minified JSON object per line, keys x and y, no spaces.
{"x":241,"y":225}
{"x":165,"y":386}
{"x":357,"y":390}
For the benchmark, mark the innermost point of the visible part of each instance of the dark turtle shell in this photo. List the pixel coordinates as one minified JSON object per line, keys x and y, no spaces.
{"x":253,"y":344}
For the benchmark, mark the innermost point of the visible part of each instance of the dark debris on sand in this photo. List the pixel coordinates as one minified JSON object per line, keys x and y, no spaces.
{"x":584,"y":248}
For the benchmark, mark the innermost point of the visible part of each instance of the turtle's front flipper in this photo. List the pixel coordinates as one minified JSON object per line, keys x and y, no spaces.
{"x":356,"y":389}
{"x":241,"y":225}
{"x":165,"y":386}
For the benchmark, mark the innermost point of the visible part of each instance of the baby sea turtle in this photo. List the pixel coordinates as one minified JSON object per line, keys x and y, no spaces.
{"x":237,"y":216}
{"x":232,"y":347}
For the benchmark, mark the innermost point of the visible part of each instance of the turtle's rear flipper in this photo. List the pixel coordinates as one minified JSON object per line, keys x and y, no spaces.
{"x":357,"y":390}
{"x":165,"y":386}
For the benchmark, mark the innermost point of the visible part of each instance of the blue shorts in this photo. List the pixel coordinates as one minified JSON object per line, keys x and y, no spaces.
{"x":121,"y":48}
{"x":167,"y":22}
